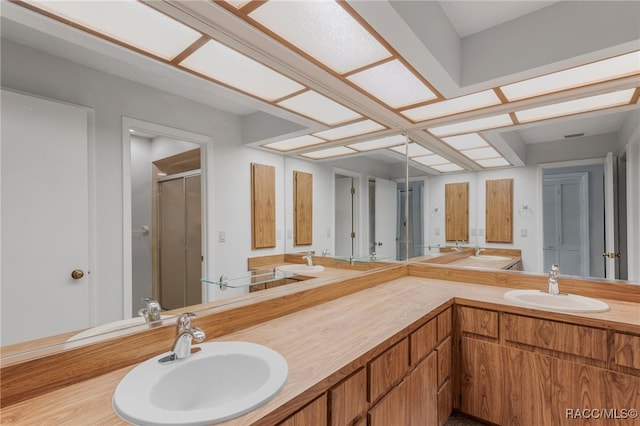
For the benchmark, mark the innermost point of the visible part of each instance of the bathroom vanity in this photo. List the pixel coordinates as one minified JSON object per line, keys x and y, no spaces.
{"x":402,"y":345}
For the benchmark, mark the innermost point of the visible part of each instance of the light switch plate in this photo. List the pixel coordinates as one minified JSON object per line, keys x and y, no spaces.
{"x":523,"y":233}
{"x":222,"y":237}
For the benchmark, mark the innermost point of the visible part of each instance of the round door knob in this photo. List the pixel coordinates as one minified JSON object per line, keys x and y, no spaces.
{"x":77,"y":274}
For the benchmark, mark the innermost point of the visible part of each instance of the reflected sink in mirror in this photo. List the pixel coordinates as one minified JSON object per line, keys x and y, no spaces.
{"x":301,"y":269}
{"x":490,"y":257}
{"x":556,"y":302}
{"x":111,"y":326}
{"x":222,"y":381}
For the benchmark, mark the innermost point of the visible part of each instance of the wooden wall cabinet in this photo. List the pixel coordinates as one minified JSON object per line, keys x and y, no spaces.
{"x":499,"y":211}
{"x":456,"y":210}
{"x":302,"y":208}
{"x":263,"y":206}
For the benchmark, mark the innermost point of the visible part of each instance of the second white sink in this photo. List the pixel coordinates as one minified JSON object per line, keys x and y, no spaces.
{"x":556,"y":302}
{"x":222,"y":381}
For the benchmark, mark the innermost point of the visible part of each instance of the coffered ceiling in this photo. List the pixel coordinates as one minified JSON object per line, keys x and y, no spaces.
{"x":348,"y":78}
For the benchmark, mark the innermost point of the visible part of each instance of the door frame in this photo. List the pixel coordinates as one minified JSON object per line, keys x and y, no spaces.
{"x":358,"y":200}
{"x":207,"y":161}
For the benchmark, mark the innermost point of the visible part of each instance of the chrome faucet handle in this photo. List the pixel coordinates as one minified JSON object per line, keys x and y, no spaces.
{"x":182,"y":344}
{"x":184,"y":322}
{"x":152,"y":311}
{"x":554,"y":271}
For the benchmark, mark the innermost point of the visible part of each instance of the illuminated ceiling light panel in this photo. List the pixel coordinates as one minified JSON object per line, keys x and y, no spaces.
{"x":324,"y":30}
{"x":493,"y":162}
{"x":473,"y":125}
{"x":393,"y":84}
{"x":329,"y":152}
{"x":608,"y":69}
{"x":431,"y":160}
{"x":453,"y":106}
{"x":318,"y":107}
{"x":294,"y":143}
{"x":227,"y":66}
{"x":450,"y":167}
{"x":355,"y":129}
{"x":383,"y":142}
{"x":415,"y":150}
{"x":481,"y":153}
{"x":575,"y":106}
{"x":129,"y":22}
{"x":468,"y":141}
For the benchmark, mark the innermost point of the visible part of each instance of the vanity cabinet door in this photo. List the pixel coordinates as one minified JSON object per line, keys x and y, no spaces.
{"x":387,"y":369}
{"x":505,"y":385}
{"x":481,"y":388}
{"x":313,"y":414}
{"x":348,"y":400}
{"x":413,"y":401}
{"x":580,"y":387}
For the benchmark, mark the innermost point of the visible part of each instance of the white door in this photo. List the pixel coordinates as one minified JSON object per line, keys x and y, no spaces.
{"x":344,"y":219}
{"x":566,"y":223}
{"x":45,"y":218}
{"x":385,"y":223}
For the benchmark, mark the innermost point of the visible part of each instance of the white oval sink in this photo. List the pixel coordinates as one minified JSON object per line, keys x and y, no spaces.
{"x":301,"y":269}
{"x":111,"y":326}
{"x":490,"y":257}
{"x":556,"y":302}
{"x":222,"y":381}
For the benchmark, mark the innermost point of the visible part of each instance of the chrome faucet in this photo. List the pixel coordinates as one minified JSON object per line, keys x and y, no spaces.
{"x":458,"y":247}
{"x":152,"y":312}
{"x":309,"y":258}
{"x":553,"y":280}
{"x":478,"y":250}
{"x":182,"y":344}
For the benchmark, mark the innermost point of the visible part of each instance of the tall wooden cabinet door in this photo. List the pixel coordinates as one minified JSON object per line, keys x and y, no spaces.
{"x":313,"y":414}
{"x":580,"y":387}
{"x":422,"y":397}
{"x":481,"y":380}
{"x":527,"y":391}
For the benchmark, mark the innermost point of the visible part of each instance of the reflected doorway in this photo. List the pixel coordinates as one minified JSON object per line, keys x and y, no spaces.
{"x":410,"y":225}
{"x":345,"y":215}
{"x":166,"y":221}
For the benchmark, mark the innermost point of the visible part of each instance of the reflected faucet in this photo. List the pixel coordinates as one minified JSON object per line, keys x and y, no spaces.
{"x":182,"y":344}
{"x":553,"y":280}
{"x":152,"y":312}
{"x":309,"y":258}
{"x":478,"y":250}
{"x":458,"y":247}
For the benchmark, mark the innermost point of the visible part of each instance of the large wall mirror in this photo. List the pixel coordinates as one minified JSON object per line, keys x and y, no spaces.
{"x":152,"y":128}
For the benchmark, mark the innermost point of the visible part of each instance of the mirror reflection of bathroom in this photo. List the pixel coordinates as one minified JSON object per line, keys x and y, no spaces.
{"x":166,"y":221}
{"x":584,"y":209}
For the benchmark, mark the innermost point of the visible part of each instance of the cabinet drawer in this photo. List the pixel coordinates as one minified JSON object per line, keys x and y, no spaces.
{"x":444,"y":324}
{"x":444,"y":361}
{"x":348,"y":400}
{"x":423,"y":341}
{"x":572,"y":339}
{"x":627,"y":350}
{"x":387,"y":369}
{"x":478,"y":321}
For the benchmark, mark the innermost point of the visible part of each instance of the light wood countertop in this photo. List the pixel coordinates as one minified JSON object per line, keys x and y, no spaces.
{"x":316,"y":342}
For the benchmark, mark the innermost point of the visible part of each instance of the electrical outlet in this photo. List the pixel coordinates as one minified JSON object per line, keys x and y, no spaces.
{"x":481,"y":232}
{"x":289,"y":234}
{"x":523,"y":233}
{"x":436,"y":231}
{"x":328,"y":233}
{"x":474,"y":232}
